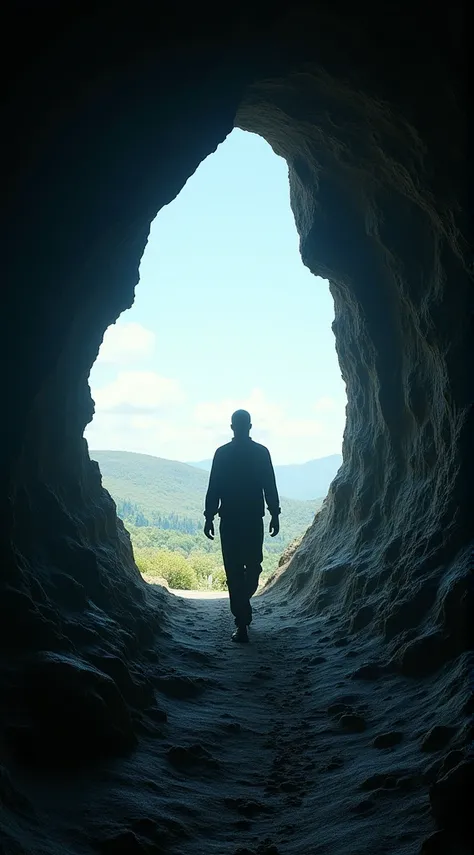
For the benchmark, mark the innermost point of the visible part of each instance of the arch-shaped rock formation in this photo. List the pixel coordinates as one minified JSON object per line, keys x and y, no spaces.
{"x":108,"y":113}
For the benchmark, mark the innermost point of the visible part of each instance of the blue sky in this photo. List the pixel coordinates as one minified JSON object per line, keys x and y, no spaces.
{"x":225,"y":316}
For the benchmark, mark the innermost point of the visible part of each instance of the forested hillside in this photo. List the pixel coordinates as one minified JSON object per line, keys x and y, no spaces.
{"x":161,"y":502}
{"x":300,"y":480}
{"x":157,"y":485}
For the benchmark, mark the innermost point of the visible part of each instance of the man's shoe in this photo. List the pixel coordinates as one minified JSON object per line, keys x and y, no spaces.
{"x":240,"y":635}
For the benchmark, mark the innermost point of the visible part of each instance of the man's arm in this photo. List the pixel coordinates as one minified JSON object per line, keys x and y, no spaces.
{"x":271,"y":493}
{"x":212,"y":499}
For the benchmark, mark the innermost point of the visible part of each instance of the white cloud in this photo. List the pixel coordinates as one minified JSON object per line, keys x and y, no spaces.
{"x":143,"y":412}
{"x":216,"y":415}
{"x":325,"y":404}
{"x":124,"y":343}
{"x":289,"y":439}
{"x":138,"y":391}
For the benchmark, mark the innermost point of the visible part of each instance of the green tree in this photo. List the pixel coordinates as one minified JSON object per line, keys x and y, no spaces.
{"x":219,"y":581}
{"x":171,"y":566}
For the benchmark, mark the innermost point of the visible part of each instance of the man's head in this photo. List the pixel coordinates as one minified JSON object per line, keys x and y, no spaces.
{"x":241,"y":423}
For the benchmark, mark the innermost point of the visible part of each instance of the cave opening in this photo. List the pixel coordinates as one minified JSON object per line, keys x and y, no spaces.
{"x":225,"y":315}
{"x":346,"y":726}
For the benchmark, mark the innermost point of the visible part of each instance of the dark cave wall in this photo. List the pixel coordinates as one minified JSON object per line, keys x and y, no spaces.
{"x":99,"y":149}
{"x":377,"y":217}
{"x":105,"y":130}
{"x":107,"y":121}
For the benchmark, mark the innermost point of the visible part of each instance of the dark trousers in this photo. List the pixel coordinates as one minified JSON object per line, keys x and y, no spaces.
{"x":242,"y":545}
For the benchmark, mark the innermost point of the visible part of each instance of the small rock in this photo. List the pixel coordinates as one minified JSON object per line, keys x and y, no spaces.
{"x":289,"y":787}
{"x":406,"y":783}
{"x":432,"y":772}
{"x":425,"y":655}
{"x":338,"y":709}
{"x":349,"y":700}
{"x":362,"y":618}
{"x":353,"y":723}
{"x":363,"y":807}
{"x":388,"y":740}
{"x":335,"y":763}
{"x":180,"y":687}
{"x":145,"y":825}
{"x":187,"y":757}
{"x":450,"y":761}
{"x":266,"y":847}
{"x":156,"y":714}
{"x":379,"y":782}
{"x":136,"y":691}
{"x":247,"y":807}
{"x":232,"y":727}
{"x":370,"y":671}
{"x":437,"y":738}
{"x":126,"y":843}
{"x":78,"y":712}
{"x":262,"y":674}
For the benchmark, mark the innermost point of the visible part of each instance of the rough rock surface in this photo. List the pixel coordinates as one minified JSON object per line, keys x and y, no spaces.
{"x":107,"y":114}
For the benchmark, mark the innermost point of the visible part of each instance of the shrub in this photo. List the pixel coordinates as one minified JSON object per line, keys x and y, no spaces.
{"x":219,"y":580}
{"x":204,"y":564}
{"x":189,"y":574}
{"x":171,"y":566}
{"x":182,"y":577}
{"x":144,"y":559}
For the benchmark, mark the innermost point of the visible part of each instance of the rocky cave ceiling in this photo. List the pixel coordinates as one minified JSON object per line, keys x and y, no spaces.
{"x":108,"y":111}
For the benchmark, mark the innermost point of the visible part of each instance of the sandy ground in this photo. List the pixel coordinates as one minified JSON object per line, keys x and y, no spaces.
{"x":272,"y":748}
{"x":200,"y":595}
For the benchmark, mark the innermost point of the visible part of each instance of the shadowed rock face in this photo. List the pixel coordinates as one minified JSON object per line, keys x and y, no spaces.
{"x":107,"y":117}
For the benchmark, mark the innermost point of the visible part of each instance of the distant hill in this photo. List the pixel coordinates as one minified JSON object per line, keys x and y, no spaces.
{"x":154,"y":483}
{"x":161,"y":487}
{"x":300,"y":481}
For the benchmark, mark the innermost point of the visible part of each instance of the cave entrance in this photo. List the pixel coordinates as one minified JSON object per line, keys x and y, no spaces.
{"x":225,"y":316}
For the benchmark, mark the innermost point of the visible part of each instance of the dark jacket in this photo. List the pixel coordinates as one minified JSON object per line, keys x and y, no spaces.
{"x":241,"y":476}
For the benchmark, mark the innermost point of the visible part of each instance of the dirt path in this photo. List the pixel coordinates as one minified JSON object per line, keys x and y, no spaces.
{"x":200,"y":595}
{"x":274,"y":753}
{"x":277,"y":747}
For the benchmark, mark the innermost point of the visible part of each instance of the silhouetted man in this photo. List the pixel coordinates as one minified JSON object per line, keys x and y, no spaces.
{"x":241,"y":478}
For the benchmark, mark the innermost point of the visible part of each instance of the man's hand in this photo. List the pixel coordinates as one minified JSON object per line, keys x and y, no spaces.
{"x":274,"y":526}
{"x":209,"y":529}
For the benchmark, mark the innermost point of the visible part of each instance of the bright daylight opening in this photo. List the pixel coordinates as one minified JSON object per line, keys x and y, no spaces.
{"x":226,"y":316}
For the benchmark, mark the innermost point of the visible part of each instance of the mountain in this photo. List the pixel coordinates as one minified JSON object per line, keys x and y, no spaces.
{"x":300,"y":481}
{"x":201,"y":464}
{"x":307,"y":480}
{"x":154,"y":483}
{"x":166,"y":488}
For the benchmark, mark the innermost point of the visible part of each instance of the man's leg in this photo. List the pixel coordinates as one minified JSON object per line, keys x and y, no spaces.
{"x":253,"y":557}
{"x":252,"y":576}
{"x":238,"y":597}
{"x":235,"y":573}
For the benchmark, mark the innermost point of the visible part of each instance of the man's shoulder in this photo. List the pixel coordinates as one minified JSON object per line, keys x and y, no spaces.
{"x":260,"y":449}
{"x":223,"y":449}
{"x":253,"y":447}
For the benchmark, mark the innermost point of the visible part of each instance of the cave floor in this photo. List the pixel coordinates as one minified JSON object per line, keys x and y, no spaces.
{"x":254,"y":755}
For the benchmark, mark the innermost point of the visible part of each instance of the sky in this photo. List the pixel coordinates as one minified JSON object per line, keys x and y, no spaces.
{"x":225,"y":316}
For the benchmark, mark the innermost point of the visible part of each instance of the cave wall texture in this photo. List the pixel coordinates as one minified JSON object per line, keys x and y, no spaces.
{"x":108,"y":113}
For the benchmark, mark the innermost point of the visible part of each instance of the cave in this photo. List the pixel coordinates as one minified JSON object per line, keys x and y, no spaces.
{"x":107,"y":113}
